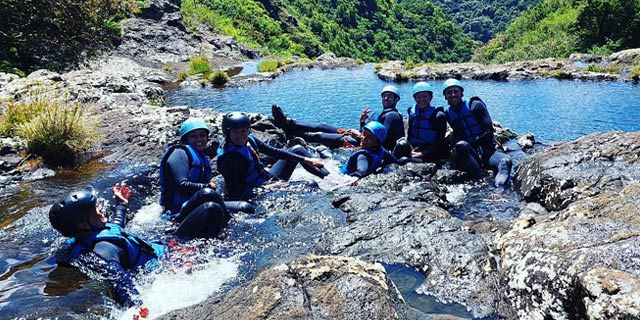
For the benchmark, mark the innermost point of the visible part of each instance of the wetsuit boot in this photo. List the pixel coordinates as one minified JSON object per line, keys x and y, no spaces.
{"x":279,"y":119}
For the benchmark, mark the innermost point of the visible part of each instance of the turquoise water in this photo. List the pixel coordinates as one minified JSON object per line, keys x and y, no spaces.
{"x":552,"y":110}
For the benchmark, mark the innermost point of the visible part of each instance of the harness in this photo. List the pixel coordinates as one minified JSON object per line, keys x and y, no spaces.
{"x":375,"y":161}
{"x":138,"y":252}
{"x":199,"y":172}
{"x":257,"y":175}
{"x":421,"y":128}
{"x":464,"y":124}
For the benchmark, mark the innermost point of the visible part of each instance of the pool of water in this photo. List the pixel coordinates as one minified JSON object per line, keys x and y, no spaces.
{"x":553,"y":110}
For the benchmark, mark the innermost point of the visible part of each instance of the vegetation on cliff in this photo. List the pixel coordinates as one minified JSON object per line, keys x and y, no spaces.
{"x":58,"y":131}
{"x":482,"y":20}
{"x":55,"y":34}
{"x":370,"y":30}
{"x":557,"y":28}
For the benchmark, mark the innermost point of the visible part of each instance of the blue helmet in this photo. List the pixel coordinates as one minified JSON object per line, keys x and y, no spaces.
{"x":190,"y":125}
{"x":377,"y":129}
{"x":420,"y":87}
{"x":66,"y":214}
{"x":452,"y":83}
{"x":390,"y":88}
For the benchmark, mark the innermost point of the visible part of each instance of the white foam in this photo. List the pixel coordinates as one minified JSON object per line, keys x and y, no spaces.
{"x":333,"y":181}
{"x":174,"y":289}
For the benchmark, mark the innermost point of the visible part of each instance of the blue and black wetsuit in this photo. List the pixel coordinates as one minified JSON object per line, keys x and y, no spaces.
{"x":243,"y":170}
{"x":187,"y":199}
{"x":426,"y":134}
{"x":474,"y":146}
{"x":367,"y":161}
{"x":112,"y":254}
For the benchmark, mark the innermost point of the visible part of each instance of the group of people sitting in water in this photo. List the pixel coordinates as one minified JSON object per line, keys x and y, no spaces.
{"x":196,"y":210}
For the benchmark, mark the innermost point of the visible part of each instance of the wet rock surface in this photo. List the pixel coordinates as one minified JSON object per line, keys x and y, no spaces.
{"x":553,"y":268}
{"x":574,"y":68}
{"x":313,"y":287}
{"x":402,"y":217}
{"x":582,"y":168}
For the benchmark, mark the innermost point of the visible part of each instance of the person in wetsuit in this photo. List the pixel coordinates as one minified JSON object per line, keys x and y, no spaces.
{"x":427,"y":128}
{"x":473,"y":140}
{"x":239,"y":159}
{"x":371,"y":155}
{"x":102,"y":244}
{"x":334,"y":137}
{"x":188,"y":194}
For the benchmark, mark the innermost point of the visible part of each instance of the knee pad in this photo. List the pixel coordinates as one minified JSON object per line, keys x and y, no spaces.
{"x":240,"y":206}
{"x":402,"y":149}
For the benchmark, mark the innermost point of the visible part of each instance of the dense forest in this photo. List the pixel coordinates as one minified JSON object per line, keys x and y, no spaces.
{"x":482,"y":20}
{"x":371,"y":30}
{"x":54,"y":34}
{"x":557,"y":28}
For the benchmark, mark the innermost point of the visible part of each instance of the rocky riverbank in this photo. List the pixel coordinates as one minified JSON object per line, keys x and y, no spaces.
{"x":577,"y":67}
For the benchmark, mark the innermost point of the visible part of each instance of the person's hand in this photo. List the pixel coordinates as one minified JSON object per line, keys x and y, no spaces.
{"x":354,"y":134}
{"x":213,"y":184}
{"x":122,"y":193}
{"x":314,"y":162}
{"x":416,"y":154}
{"x":364,"y":115}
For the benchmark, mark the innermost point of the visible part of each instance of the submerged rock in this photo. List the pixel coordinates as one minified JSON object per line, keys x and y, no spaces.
{"x":313,"y":287}
{"x":582,"y":168}
{"x":552,"y":268}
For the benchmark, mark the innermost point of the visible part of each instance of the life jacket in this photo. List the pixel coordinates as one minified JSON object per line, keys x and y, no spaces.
{"x":257,"y":175}
{"x":375,"y":161}
{"x":464,"y":124}
{"x":137,"y":252}
{"x":421,"y":126}
{"x":199,"y":172}
{"x":379,"y":116}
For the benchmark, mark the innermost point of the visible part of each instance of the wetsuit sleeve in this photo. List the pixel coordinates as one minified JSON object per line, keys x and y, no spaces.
{"x":388,"y":157}
{"x":277,"y":153}
{"x":119,"y":216}
{"x":234,"y":169}
{"x":362,"y":165}
{"x":104,"y":263}
{"x":179,"y":164}
{"x":479,"y":110}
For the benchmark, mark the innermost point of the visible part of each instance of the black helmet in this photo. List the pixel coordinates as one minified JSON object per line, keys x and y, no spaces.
{"x":235,"y":120}
{"x":70,"y":211}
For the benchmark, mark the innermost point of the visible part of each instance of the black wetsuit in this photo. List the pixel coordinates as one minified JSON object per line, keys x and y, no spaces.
{"x":235,"y":168}
{"x":204,"y":214}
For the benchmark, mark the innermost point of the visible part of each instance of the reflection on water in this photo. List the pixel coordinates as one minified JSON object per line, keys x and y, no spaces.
{"x":408,"y":280}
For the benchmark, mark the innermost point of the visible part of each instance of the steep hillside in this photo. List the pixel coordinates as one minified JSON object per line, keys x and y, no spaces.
{"x":557,"y":28}
{"x":482,"y":20}
{"x":371,"y":30}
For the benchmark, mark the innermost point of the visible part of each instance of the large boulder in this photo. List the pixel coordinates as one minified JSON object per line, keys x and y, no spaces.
{"x":313,"y":287}
{"x":548,"y":266}
{"x":582,"y":168}
{"x":629,"y":56}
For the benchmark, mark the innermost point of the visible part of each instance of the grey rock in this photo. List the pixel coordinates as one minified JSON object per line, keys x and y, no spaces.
{"x":582,"y":168}
{"x":547,"y":267}
{"x":314,"y":287}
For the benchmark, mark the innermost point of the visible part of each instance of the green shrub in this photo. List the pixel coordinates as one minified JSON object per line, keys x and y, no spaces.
{"x":596,"y":68}
{"x":199,"y":64}
{"x":635,"y":72}
{"x":182,"y":75}
{"x":268,"y":65}
{"x":16,"y":114}
{"x":218,"y":77}
{"x":59,"y":132}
